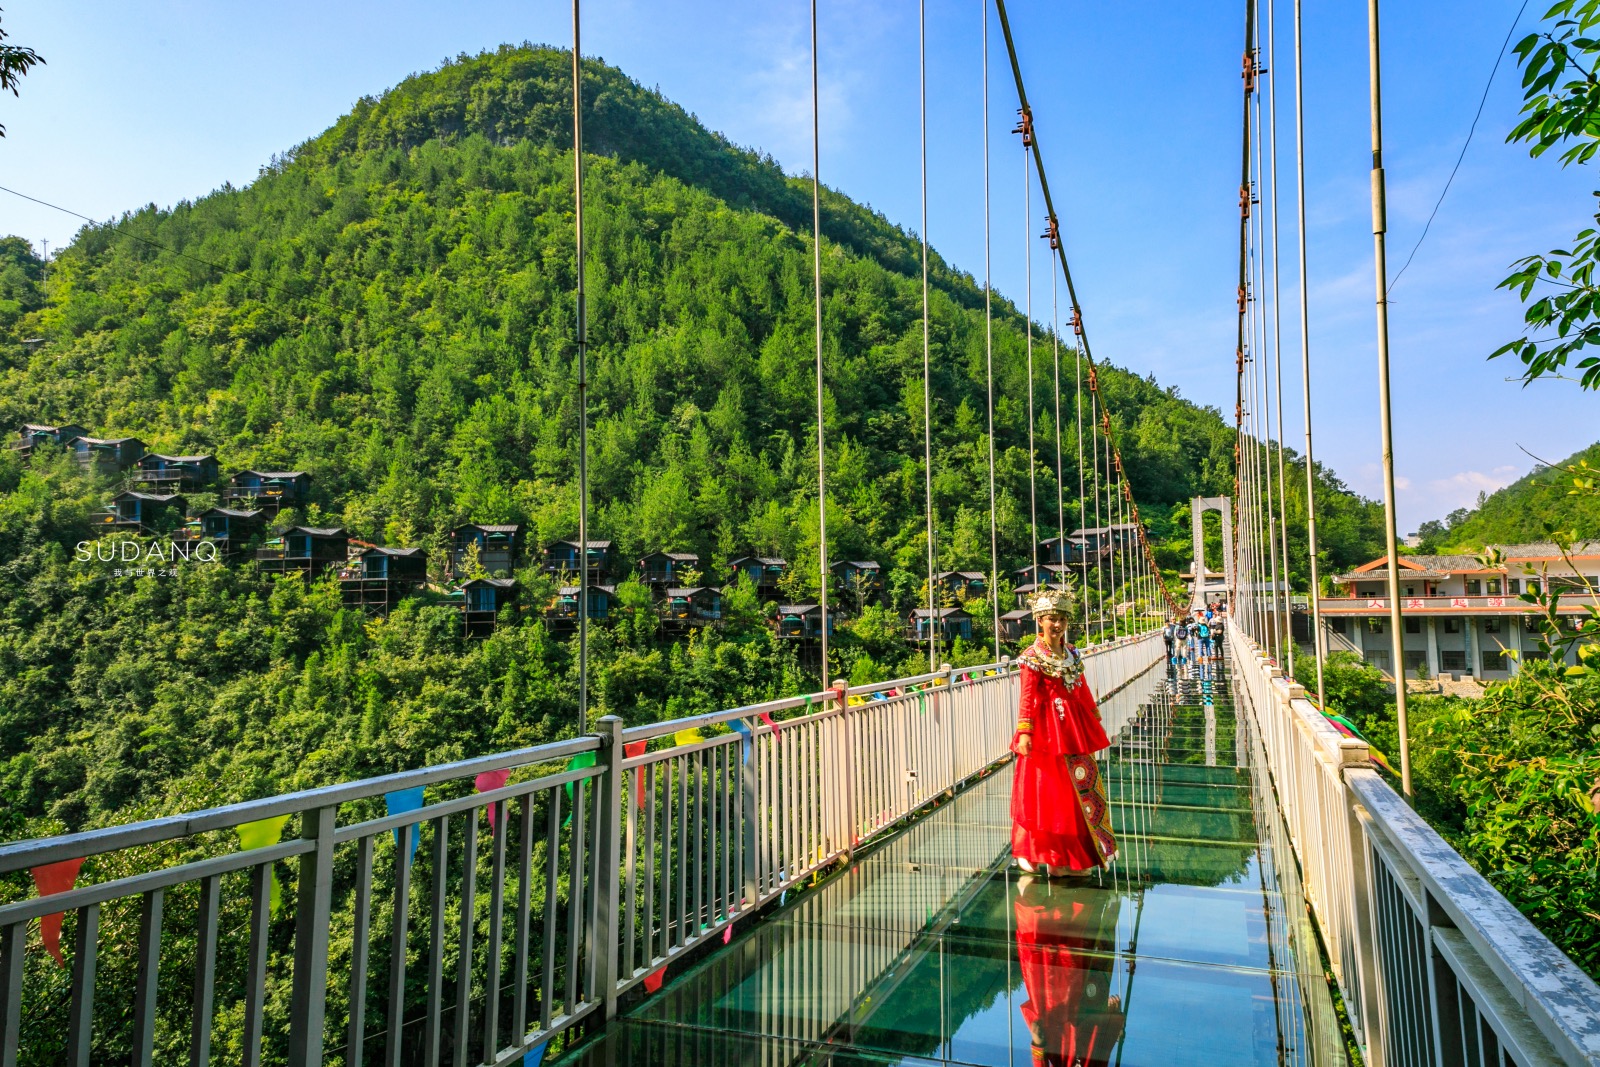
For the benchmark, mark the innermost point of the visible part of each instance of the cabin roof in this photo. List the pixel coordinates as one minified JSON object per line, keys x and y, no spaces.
{"x":175,"y":459}
{"x":976,"y":575}
{"x":797,"y":609}
{"x":494,"y":583}
{"x":942,"y":613}
{"x":770,"y":561}
{"x":859,"y":564}
{"x":105,"y":440}
{"x":154,"y":498}
{"x":691,"y":590}
{"x":572,"y":590}
{"x":277,"y":476}
{"x":574,"y":544}
{"x":232,"y":513}
{"x":1020,"y":613}
{"x":314,"y":531}
{"x":681,"y":557}
{"x":489,"y":527}
{"x":39,"y":427}
{"x":403,"y":553}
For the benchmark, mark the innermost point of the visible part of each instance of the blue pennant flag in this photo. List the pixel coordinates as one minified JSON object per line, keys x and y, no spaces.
{"x":534,"y":1056}
{"x":406,"y":800}
{"x":742,"y":728}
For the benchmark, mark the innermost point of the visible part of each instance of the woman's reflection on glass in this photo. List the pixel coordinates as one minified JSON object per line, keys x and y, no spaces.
{"x":1066,"y":948}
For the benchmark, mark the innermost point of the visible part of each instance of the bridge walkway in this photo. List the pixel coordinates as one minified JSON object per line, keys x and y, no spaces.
{"x":1195,"y":948}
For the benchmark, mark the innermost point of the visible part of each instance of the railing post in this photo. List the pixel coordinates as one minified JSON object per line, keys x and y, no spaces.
{"x":609,"y":847}
{"x":308,"y":999}
{"x":948,"y":727}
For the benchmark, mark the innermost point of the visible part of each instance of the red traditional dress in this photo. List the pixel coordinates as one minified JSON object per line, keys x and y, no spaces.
{"x":1065,"y":950}
{"x":1059,"y":812}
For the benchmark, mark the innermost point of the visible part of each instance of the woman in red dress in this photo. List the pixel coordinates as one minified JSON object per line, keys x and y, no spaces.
{"x":1061,"y":823}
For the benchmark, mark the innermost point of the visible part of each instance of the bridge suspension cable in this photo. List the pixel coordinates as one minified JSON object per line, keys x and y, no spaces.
{"x":927,"y":379}
{"x":1277,"y":323}
{"x":988,"y":346}
{"x":583,"y":375}
{"x":816,"y":268}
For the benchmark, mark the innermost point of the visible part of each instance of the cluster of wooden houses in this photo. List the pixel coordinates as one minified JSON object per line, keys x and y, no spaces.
{"x":482,"y":556}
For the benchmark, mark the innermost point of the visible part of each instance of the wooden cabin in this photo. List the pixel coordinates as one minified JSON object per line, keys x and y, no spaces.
{"x":561,"y":557}
{"x":859,"y":579}
{"x":563,"y":611}
{"x":33,"y":434}
{"x":107,"y":455}
{"x":802,"y":622}
{"x":951,"y":623}
{"x":692,"y":606}
{"x":1018,"y":626}
{"x":231,"y":528}
{"x":499,"y":546}
{"x":962,"y":585}
{"x":662,"y":570}
{"x":304,"y":550}
{"x":1101,"y":541}
{"x":269,"y":491}
{"x":1061,"y":550}
{"x":142,"y":512}
{"x":764,"y":571}
{"x":175,"y":473}
{"x":1044,"y":574}
{"x":482,"y":599}
{"x":377,"y":579}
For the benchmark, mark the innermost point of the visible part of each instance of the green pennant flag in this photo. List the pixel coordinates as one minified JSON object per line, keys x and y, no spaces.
{"x":261,"y":834}
{"x":581,"y":760}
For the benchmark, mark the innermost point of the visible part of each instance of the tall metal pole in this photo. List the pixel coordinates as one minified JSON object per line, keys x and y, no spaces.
{"x":988,"y":346}
{"x":583,"y":380}
{"x":1381,"y":268}
{"x":1305,"y":352}
{"x":927,"y":380}
{"x":1277,"y":327}
{"x":816,"y":266}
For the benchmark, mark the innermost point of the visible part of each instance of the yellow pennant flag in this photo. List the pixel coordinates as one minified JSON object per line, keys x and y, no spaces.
{"x":687,"y":737}
{"x":260,"y":834}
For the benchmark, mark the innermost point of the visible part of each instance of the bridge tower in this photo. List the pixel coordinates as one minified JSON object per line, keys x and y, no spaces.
{"x":1208,"y":582}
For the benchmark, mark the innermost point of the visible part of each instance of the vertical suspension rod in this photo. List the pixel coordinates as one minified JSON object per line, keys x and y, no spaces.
{"x":583,"y":376}
{"x":927,"y":382}
{"x":816,"y":266}
{"x":988,"y":346}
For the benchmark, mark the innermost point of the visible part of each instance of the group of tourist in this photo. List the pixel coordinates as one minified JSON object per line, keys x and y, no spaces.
{"x":1193,"y":639}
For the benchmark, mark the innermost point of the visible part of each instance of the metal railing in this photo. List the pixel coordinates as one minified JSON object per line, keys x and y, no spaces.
{"x":1435,"y":966}
{"x":531,"y":905}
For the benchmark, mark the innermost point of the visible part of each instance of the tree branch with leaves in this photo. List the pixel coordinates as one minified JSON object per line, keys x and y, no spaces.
{"x":15,"y":61}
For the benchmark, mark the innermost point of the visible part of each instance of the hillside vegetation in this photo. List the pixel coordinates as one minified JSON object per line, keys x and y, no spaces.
{"x":389,"y":307}
{"x":1528,"y":509}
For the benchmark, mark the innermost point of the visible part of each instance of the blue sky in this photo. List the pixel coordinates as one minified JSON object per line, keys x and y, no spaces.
{"x":1138,"y":113}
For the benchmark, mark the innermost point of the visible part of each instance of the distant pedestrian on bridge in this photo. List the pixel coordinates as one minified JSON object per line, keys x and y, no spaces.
{"x":1061,"y":823}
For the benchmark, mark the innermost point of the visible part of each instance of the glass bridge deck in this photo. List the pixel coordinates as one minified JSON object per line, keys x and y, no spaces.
{"x":1194,"y":948}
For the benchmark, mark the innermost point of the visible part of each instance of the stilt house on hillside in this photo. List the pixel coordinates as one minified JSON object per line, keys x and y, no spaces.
{"x":803,"y":622}
{"x":687,"y":607}
{"x":962,"y":585}
{"x":175,"y":474}
{"x":377,"y":579}
{"x":142,"y":512}
{"x":563,"y":611}
{"x":764,"y":571}
{"x":231,"y":528}
{"x":269,"y":491}
{"x":499,"y":546}
{"x":482,"y":599}
{"x":304,"y":550}
{"x":859,"y":579}
{"x":1060,"y":550}
{"x":950,"y":624}
{"x":562,"y":557}
{"x":107,"y":455}
{"x":663,"y":570}
{"x":1030,"y":579}
{"x":34,"y":433}
{"x":1018,"y":626}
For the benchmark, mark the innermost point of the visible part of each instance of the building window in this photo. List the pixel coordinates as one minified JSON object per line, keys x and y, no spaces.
{"x":1494,"y":586}
{"x":1491,"y":626}
{"x":1374,"y":625}
{"x":1473,"y":585}
{"x":1530,"y":624}
{"x":1452,"y":626}
{"x":1410,"y":590}
{"x":1494,"y":659}
{"x":1513,"y":585}
{"x":1453,"y":661}
{"x":1339,"y":624}
{"x":1413,"y":626}
{"x":1379,"y":658}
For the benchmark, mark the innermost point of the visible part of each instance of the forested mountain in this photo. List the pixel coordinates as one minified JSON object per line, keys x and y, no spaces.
{"x":389,"y":306}
{"x":1528,"y":509}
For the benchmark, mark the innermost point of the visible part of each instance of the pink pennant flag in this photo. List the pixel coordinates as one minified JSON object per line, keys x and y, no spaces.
{"x":487,"y":782}
{"x":767,"y":718}
{"x":653,"y":980}
{"x":727,"y":933}
{"x":50,"y":879}
{"x":630,"y":750}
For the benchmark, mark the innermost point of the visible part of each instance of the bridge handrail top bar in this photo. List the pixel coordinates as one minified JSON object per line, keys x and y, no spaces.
{"x":21,"y":855}
{"x":1561,"y":1000}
